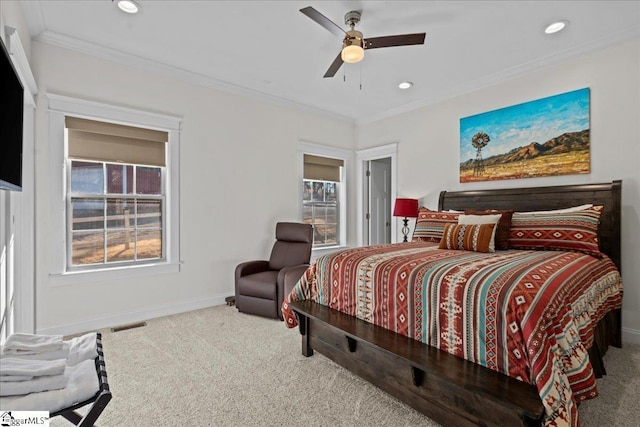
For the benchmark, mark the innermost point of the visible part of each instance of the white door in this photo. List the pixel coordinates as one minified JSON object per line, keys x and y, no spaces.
{"x":379,"y":201}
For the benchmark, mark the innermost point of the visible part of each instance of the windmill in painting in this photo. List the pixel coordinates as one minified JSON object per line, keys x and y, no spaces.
{"x":479,"y":141}
{"x":548,"y":136}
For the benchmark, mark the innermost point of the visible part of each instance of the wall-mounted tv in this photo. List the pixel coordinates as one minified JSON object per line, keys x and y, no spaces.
{"x":11,"y":107}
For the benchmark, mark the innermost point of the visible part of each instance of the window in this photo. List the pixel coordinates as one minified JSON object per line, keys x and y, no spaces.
{"x":320,"y":208}
{"x":115,"y":212}
{"x":323,"y":179}
{"x":114,"y":206}
{"x":118,"y":211}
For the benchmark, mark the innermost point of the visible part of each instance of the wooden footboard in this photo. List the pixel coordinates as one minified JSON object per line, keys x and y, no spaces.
{"x":447,"y":389}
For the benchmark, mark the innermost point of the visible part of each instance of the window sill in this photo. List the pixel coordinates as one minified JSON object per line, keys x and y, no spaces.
{"x":317,"y":252}
{"x":84,"y":276}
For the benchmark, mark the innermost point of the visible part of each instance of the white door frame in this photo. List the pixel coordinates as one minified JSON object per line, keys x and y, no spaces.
{"x":362,"y":156}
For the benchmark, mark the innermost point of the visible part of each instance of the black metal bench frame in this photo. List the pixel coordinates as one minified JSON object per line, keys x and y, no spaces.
{"x":98,"y":402}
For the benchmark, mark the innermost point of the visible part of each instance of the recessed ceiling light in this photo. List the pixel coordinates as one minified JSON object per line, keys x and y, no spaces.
{"x":129,"y":6}
{"x":556,"y":26}
{"x":405,"y":85}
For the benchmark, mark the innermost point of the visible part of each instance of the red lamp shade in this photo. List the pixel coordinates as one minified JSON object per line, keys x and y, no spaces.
{"x":407,"y":208}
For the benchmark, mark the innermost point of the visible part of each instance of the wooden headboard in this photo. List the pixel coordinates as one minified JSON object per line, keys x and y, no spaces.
{"x":546,"y":198}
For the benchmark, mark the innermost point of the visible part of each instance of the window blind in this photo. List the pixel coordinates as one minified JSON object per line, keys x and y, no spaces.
{"x":110,"y":142}
{"x":322,"y":168}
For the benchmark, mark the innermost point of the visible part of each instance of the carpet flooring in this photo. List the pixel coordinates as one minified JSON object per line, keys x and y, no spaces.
{"x":218,"y":367}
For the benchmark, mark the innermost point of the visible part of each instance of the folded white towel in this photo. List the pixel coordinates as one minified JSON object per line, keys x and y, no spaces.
{"x":63,"y":353}
{"x":83,"y":348}
{"x":17,"y":344}
{"x":74,"y":350}
{"x":11,"y":378}
{"x":82,"y":385}
{"x":48,"y":382}
{"x":36,"y":368}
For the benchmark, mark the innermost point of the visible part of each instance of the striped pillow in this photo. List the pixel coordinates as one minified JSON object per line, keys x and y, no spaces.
{"x":430,"y":225}
{"x":568,"y":231}
{"x":472,"y":237}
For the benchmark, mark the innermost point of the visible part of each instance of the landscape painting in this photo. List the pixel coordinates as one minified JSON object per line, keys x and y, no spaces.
{"x":548,"y":136}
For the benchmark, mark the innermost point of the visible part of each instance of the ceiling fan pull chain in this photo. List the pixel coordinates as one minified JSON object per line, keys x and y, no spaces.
{"x":361,"y":76}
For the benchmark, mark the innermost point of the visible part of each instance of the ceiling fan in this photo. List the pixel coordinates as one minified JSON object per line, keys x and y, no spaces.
{"x":353,"y":44}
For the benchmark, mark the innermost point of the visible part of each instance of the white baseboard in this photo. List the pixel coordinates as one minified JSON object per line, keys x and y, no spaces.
{"x":130,"y":317}
{"x":630,"y":336}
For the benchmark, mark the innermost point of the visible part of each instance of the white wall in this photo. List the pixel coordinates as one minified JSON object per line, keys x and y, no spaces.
{"x":428,"y":149}
{"x":238,"y":178}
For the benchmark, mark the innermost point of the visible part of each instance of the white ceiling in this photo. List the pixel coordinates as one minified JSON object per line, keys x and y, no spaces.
{"x":271,"y":50}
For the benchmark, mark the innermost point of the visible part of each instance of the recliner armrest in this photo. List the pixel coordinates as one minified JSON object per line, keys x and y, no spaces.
{"x":251,"y":267}
{"x":289,"y":276}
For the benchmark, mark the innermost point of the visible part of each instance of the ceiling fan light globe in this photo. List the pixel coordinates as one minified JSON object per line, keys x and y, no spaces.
{"x":352,"y":54}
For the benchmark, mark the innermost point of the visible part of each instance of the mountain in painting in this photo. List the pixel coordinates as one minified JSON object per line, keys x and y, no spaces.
{"x":567,"y":142}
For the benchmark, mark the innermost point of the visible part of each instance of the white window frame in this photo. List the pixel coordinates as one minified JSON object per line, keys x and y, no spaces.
{"x":59,"y":108}
{"x":336,"y":153}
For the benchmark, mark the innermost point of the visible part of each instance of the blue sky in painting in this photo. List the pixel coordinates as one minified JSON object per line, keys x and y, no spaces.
{"x":519,"y":125}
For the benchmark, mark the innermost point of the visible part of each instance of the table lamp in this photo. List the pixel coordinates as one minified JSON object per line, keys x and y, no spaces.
{"x":407,"y":208}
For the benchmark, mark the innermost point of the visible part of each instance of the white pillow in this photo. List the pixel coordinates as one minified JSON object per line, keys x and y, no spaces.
{"x":483,"y":219}
{"x":566,"y":210}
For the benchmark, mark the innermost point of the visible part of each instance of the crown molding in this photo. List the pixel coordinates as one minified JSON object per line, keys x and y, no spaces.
{"x":509,"y":73}
{"x":103,"y":52}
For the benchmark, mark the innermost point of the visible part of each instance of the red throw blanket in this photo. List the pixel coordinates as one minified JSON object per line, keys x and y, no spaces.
{"x":527,"y":314}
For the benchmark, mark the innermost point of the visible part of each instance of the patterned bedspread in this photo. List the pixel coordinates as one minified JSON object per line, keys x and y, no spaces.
{"x":528,"y":314}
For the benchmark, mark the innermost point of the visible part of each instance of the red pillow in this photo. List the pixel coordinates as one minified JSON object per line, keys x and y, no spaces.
{"x":567,"y":231}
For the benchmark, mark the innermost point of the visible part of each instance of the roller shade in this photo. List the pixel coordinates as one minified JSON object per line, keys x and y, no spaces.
{"x":322,"y":168}
{"x":109,"y":142}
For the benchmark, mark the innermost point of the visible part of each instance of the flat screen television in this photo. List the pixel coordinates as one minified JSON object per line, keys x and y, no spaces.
{"x":11,"y":110}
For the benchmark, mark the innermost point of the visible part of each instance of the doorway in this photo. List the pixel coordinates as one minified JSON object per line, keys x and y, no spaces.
{"x":376,"y":172}
{"x":378,"y":201}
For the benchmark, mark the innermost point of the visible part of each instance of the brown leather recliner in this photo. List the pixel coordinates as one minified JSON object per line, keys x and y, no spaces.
{"x":262,"y":285}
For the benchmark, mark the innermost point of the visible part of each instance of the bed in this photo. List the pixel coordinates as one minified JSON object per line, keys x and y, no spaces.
{"x":426,"y":325}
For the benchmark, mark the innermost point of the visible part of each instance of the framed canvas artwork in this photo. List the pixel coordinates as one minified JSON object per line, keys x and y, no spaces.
{"x":545,"y":137}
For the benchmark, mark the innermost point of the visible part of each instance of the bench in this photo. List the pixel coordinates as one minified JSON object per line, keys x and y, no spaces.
{"x":445,"y":388}
{"x":98,"y":402}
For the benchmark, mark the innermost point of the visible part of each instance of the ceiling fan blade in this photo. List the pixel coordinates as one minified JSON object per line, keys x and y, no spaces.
{"x":390,"y":41}
{"x":323,"y":20}
{"x":335,"y":66}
